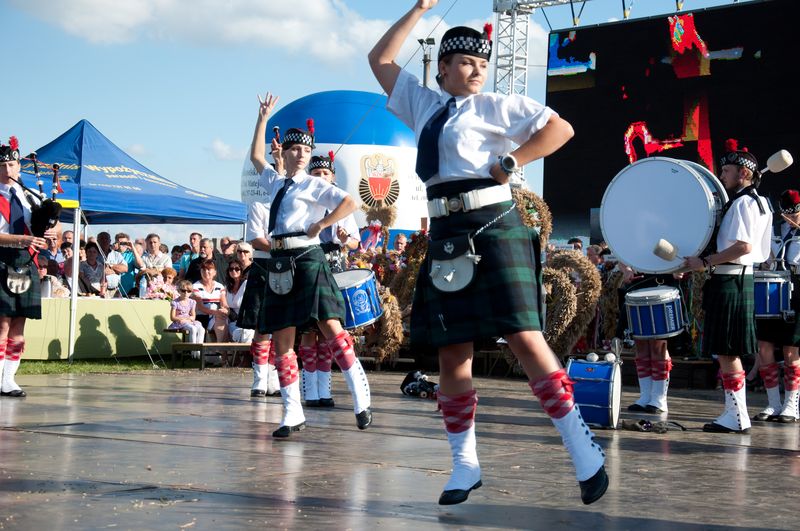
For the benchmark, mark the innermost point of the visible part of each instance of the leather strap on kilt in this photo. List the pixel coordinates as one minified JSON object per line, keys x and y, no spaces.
{"x":729,"y":327}
{"x":28,"y":304}
{"x":778,"y":331}
{"x":503,"y":298}
{"x":314,"y":297}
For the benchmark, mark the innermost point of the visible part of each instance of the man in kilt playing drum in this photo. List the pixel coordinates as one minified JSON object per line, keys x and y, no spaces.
{"x":300,"y":289}
{"x":482,"y":274}
{"x":742,"y":239}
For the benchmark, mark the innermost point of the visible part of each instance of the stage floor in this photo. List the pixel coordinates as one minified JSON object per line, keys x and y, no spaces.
{"x":190,"y":450}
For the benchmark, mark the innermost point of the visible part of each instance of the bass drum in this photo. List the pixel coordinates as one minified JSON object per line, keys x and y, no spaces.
{"x":658,"y":197}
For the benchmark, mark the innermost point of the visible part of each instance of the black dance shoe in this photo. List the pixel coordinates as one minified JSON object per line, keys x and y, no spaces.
{"x":258,"y":393}
{"x":653,"y":410}
{"x":763,"y":417}
{"x":636,"y":407}
{"x":17,"y":393}
{"x":326,"y":402}
{"x":312,"y":403}
{"x":456,"y":496}
{"x":713,"y":427}
{"x":285,"y":431}
{"x":593,"y":488}
{"x":786,"y":419}
{"x":364,"y":419}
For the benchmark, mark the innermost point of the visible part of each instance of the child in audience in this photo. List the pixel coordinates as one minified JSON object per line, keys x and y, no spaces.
{"x":183,"y":315}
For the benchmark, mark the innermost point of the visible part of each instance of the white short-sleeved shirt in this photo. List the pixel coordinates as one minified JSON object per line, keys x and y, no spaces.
{"x":257,"y":221}
{"x":305,"y":202}
{"x":792,"y":252}
{"x":350,"y":226}
{"x":481,"y":128}
{"x":5,"y":191}
{"x":744,"y":222}
{"x":159,"y":261}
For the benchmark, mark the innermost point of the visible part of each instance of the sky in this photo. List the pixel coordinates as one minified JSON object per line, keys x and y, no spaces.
{"x":174,"y":82}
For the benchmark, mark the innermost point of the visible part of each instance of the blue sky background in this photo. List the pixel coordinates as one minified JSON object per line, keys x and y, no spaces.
{"x":174,"y":82}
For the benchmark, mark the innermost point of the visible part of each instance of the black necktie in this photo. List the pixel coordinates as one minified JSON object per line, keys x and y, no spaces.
{"x":428,"y":147}
{"x":16,"y":214}
{"x":328,"y":233}
{"x":276,"y":204}
{"x":786,"y":243}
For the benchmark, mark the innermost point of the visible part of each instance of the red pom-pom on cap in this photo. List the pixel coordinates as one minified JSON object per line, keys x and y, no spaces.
{"x":731,"y":145}
{"x":331,"y":154}
{"x":487,"y":30}
{"x":13,"y":143}
{"x":310,"y":126}
{"x":794,"y":195}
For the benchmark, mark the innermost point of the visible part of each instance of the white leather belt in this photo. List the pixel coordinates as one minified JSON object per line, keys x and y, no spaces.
{"x":258,"y":253}
{"x":293,"y":242}
{"x":472,"y":200}
{"x":733,"y":269}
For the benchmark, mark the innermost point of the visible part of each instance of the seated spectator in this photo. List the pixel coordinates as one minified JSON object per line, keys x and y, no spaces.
{"x":115,"y":263}
{"x":191,"y":251}
{"x":228,"y":247}
{"x":151,"y":262}
{"x":235,"y":285}
{"x":212,"y":304}
{"x":91,"y":274}
{"x":177,"y":255}
{"x":207,"y":252}
{"x":161,"y":286}
{"x":127,"y":280}
{"x":184,"y":317}
{"x":244,"y":253}
{"x":54,"y":255}
{"x":67,"y":237}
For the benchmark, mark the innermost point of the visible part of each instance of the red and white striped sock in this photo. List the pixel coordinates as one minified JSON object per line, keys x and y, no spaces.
{"x":324,"y":357}
{"x":260,"y":352}
{"x":14,"y":349}
{"x":554,"y":391}
{"x":288,"y":371}
{"x":769,"y":373}
{"x":271,"y":355}
{"x":733,"y":381}
{"x":309,"y":356}
{"x":3,"y":345}
{"x":343,"y":351}
{"x":660,"y":369}
{"x":643,"y":369}
{"x":458,"y":411}
{"x":791,"y":377}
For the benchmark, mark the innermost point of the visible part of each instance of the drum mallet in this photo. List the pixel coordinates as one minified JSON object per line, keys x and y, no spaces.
{"x":666,"y":251}
{"x":778,"y":162}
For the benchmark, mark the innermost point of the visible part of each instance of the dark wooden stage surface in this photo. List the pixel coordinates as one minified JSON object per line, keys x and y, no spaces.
{"x":190,"y":450}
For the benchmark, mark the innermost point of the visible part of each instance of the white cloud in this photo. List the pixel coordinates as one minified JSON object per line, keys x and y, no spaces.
{"x":325,"y":29}
{"x":136,"y":150}
{"x":222,"y":151}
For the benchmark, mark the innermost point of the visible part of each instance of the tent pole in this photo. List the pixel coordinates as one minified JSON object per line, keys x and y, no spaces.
{"x":73,"y":301}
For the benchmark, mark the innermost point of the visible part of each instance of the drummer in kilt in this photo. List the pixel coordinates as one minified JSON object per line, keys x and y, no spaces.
{"x":780,"y":332}
{"x":315,"y":354}
{"x":18,"y":251}
{"x":300,"y":289}
{"x":465,"y":158}
{"x":742,"y":239}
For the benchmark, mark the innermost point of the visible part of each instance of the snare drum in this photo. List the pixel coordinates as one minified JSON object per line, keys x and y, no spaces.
{"x":361,"y":301}
{"x":598,"y":388}
{"x":656,"y":198}
{"x":773,"y":294}
{"x":654,"y":313}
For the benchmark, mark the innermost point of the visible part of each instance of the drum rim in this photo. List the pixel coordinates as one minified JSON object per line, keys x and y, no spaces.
{"x":780,"y":276}
{"x":692,"y":170}
{"x":360,"y":281}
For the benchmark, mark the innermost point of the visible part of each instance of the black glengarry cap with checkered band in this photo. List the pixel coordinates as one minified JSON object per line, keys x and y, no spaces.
{"x":11,"y":151}
{"x":468,"y":41}
{"x":739,"y":157}
{"x":790,"y":202}
{"x":298,"y":136}
{"x":318,"y":161}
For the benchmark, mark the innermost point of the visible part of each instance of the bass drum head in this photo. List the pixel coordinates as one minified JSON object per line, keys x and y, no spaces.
{"x":616,"y":396}
{"x":657,"y":198}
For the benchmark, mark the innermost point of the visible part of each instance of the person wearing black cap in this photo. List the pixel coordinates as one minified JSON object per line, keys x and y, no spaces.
{"x":317,"y":357}
{"x":300,"y":288}
{"x":482,"y":275}
{"x":741,"y":240}
{"x":20,"y":296}
{"x":783,"y":332}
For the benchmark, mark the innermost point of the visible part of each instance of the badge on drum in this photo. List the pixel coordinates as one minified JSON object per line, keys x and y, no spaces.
{"x":449,"y":247}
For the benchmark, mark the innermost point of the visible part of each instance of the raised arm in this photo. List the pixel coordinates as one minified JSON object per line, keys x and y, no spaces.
{"x":383,"y":54}
{"x":258,"y":148}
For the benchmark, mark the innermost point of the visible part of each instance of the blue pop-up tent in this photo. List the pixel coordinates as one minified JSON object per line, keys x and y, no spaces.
{"x":111,"y":187}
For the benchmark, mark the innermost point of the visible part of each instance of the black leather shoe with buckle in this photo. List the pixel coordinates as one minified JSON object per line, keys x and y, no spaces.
{"x":17,"y":393}
{"x":456,"y":496}
{"x":713,"y":427}
{"x":364,"y":419}
{"x":593,"y":488}
{"x":326,"y":402}
{"x":258,"y":393}
{"x":285,"y":431}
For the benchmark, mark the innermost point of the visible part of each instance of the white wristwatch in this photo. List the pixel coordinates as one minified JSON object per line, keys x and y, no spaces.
{"x":508,"y":163}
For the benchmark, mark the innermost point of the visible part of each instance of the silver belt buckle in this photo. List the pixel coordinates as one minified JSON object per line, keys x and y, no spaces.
{"x":454,"y":204}
{"x":278,"y":244}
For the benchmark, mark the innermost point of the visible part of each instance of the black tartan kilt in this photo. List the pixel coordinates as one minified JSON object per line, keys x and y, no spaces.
{"x":729,"y":325}
{"x":28,"y":304}
{"x":314,"y":296}
{"x":253,"y":296}
{"x":503,"y":298}
{"x":778,"y":331}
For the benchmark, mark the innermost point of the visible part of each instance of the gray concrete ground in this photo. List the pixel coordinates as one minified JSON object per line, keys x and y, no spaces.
{"x":191,"y":450}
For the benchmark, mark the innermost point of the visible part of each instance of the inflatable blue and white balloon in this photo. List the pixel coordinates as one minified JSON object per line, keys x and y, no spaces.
{"x":375,"y":152}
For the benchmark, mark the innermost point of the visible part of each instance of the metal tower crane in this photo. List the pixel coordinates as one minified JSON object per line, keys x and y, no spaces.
{"x":511,"y":42}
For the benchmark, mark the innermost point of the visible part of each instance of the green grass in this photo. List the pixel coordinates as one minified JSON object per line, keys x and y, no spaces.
{"x":94,"y":366}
